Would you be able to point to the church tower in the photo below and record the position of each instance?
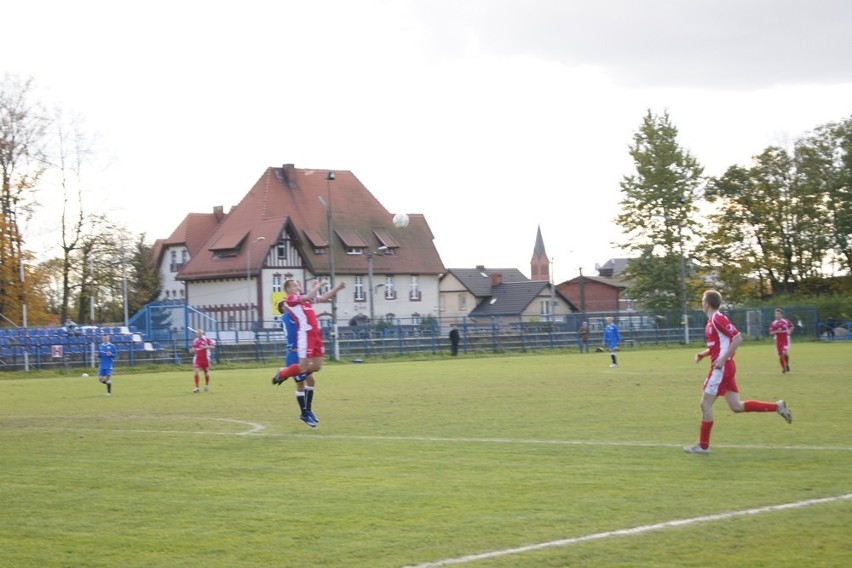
(540, 263)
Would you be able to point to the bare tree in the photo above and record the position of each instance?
(73, 151)
(23, 131)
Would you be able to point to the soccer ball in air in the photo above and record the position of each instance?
(400, 220)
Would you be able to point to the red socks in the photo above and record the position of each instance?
(291, 371)
(704, 438)
(759, 406)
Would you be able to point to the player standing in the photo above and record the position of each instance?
(611, 338)
(308, 333)
(107, 353)
(201, 347)
(782, 328)
(723, 339)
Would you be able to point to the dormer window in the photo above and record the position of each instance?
(228, 245)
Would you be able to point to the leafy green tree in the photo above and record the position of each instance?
(657, 207)
(776, 221)
(824, 161)
(755, 219)
(145, 282)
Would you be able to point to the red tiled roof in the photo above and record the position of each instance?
(228, 241)
(193, 232)
(288, 198)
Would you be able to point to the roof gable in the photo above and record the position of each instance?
(351, 238)
(479, 281)
(228, 241)
(290, 197)
(509, 299)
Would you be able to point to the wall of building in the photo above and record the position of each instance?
(599, 297)
(456, 300)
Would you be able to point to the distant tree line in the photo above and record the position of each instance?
(98, 262)
(780, 226)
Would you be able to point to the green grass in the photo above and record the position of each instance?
(423, 461)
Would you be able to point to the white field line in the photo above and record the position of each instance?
(255, 428)
(632, 531)
(563, 442)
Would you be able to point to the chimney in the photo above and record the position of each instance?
(496, 279)
(287, 174)
(219, 213)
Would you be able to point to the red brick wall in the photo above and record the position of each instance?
(599, 297)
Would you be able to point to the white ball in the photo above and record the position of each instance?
(85, 375)
(400, 220)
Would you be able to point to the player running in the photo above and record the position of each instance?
(723, 339)
(107, 353)
(782, 328)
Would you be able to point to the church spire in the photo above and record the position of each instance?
(540, 263)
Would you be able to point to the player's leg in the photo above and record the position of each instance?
(310, 385)
(207, 379)
(779, 406)
(703, 445)
(301, 399)
(713, 385)
(301, 366)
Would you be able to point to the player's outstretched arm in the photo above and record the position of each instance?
(312, 293)
(331, 293)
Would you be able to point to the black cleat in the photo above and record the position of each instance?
(276, 380)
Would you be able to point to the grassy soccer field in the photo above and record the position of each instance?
(528, 460)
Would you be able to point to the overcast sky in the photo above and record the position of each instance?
(491, 117)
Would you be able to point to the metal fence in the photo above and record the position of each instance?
(166, 335)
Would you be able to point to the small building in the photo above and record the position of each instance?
(601, 293)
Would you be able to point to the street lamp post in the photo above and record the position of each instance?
(552, 311)
(683, 298)
(335, 345)
(370, 284)
(124, 284)
(24, 314)
(248, 278)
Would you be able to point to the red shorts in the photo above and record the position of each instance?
(782, 346)
(720, 381)
(313, 346)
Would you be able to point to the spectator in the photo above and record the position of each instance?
(583, 337)
(454, 340)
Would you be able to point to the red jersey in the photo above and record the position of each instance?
(782, 328)
(719, 332)
(303, 312)
(201, 358)
(308, 332)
